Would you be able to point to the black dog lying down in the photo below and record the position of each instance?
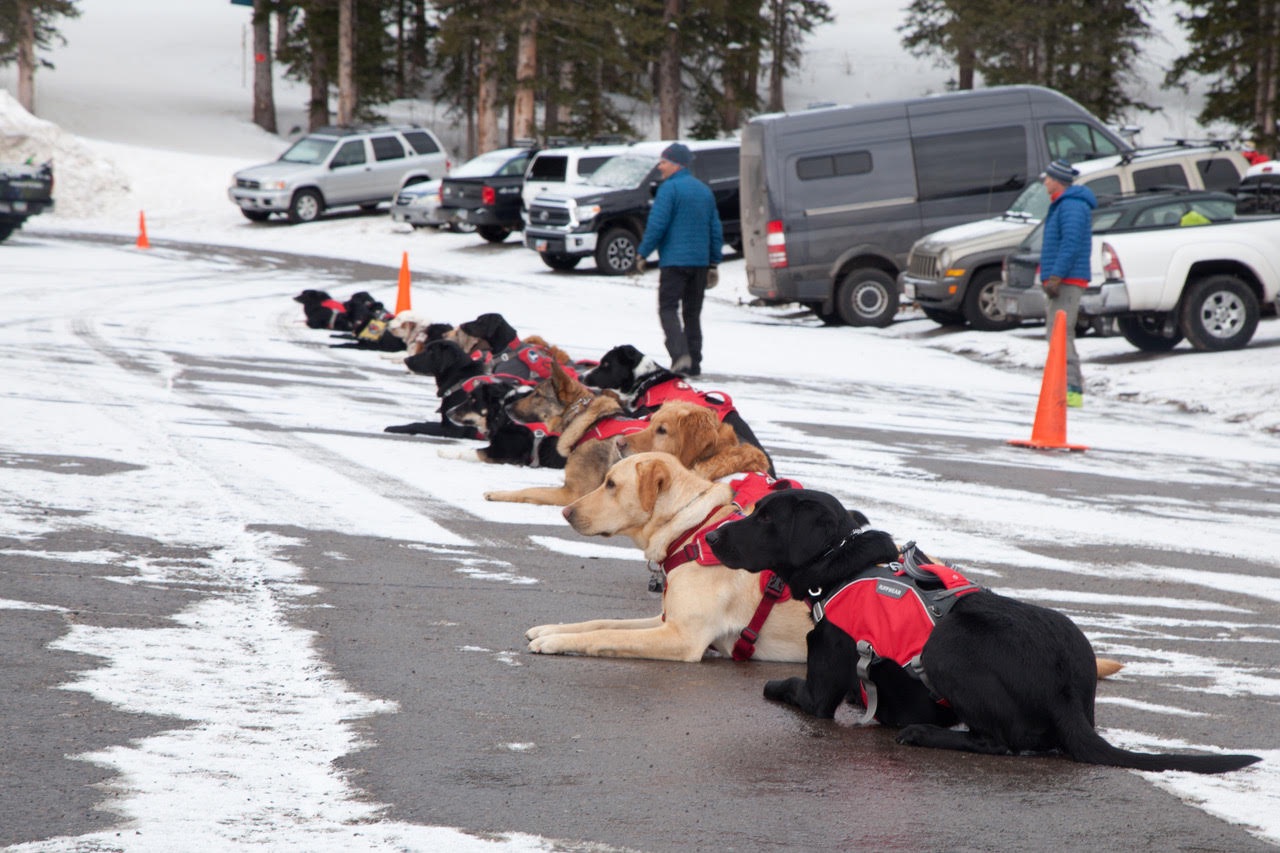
(645, 385)
(1020, 677)
(452, 368)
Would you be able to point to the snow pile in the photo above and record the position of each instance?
(83, 180)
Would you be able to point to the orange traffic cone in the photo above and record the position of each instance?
(1050, 429)
(143, 242)
(402, 297)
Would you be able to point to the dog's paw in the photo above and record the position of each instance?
(548, 644)
(457, 453)
(776, 690)
(913, 735)
(539, 631)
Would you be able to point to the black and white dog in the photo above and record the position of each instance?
(644, 385)
(1020, 677)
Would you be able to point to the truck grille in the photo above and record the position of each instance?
(246, 184)
(924, 266)
(548, 216)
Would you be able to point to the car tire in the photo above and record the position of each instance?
(494, 233)
(255, 215)
(6, 231)
(981, 308)
(616, 252)
(306, 206)
(867, 297)
(1219, 312)
(461, 227)
(943, 318)
(1147, 332)
(559, 262)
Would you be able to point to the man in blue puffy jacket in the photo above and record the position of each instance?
(684, 227)
(1064, 260)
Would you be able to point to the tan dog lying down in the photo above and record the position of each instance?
(655, 500)
(698, 438)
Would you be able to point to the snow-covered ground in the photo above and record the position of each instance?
(162, 133)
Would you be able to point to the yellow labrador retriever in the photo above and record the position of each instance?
(661, 505)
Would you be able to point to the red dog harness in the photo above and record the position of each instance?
(746, 491)
(612, 426)
(890, 613)
(678, 389)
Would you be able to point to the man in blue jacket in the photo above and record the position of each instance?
(1064, 260)
(684, 227)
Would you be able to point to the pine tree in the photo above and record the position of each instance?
(27, 26)
(1085, 49)
(1235, 45)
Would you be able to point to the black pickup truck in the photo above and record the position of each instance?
(25, 190)
(605, 218)
(485, 192)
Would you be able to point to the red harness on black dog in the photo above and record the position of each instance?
(890, 612)
(678, 389)
(746, 491)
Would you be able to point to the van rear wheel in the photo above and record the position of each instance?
(867, 297)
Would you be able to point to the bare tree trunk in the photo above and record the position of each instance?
(264, 102)
(26, 56)
(402, 15)
(669, 72)
(318, 77)
(522, 124)
(346, 62)
(965, 61)
(777, 68)
(486, 99)
(1267, 69)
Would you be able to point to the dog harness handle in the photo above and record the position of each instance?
(774, 591)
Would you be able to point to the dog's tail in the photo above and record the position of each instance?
(1107, 666)
(1082, 743)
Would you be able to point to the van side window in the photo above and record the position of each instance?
(1218, 173)
(1159, 176)
(1075, 141)
(350, 154)
(387, 148)
(975, 162)
(833, 165)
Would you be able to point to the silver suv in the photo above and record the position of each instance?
(337, 167)
(953, 274)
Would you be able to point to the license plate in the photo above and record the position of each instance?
(909, 291)
(540, 245)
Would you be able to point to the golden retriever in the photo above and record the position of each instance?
(656, 501)
(698, 438)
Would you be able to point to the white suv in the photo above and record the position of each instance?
(336, 167)
(553, 169)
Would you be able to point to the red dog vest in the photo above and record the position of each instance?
(678, 389)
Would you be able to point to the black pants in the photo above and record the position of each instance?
(680, 294)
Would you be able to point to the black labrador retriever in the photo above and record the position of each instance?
(452, 368)
(1020, 677)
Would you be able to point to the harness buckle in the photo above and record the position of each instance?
(816, 612)
(776, 587)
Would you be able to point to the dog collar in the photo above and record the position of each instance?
(815, 594)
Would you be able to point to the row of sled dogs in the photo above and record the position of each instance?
(759, 567)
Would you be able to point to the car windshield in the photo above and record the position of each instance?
(1032, 204)
(624, 171)
(486, 165)
(309, 149)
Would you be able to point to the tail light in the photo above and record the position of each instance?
(440, 193)
(488, 196)
(776, 243)
(1111, 269)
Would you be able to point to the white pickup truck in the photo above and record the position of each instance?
(1206, 283)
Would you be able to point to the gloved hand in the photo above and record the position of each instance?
(713, 277)
(641, 266)
(1051, 285)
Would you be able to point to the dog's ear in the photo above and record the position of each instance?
(629, 355)
(859, 520)
(652, 478)
(696, 437)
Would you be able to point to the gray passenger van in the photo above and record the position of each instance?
(833, 198)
